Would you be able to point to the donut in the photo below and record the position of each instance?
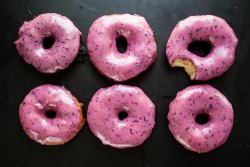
(50, 42)
(200, 118)
(51, 115)
(117, 65)
(121, 116)
(206, 28)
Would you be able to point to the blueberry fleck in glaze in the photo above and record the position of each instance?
(192, 102)
(130, 131)
(140, 52)
(38, 126)
(61, 54)
(208, 28)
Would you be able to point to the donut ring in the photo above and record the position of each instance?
(51, 115)
(208, 28)
(104, 118)
(62, 52)
(103, 52)
(199, 101)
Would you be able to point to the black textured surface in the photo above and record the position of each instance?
(160, 83)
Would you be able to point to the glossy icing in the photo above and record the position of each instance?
(141, 48)
(61, 54)
(211, 29)
(45, 130)
(103, 120)
(193, 101)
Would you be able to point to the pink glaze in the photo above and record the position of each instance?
(50, 131)
(61, 54)
(193, 101)
(103, 120)
(141, 48)
(211, 29)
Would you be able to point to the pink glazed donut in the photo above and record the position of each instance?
(121, 116)
(200, 118)
(51, 115)
(64, 44)
(207, 28)
(141, 46)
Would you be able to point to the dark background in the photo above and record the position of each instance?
(160, 83)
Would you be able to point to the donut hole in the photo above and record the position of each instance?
(122, 115)
(50, 114)
(200, 48)
(121, 44)
(48, 42)
(202, 119)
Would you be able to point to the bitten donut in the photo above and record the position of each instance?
(121, 116)
(206, 28)
(200, 118)
(51, 115)
(50, 42)
(102, 46)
